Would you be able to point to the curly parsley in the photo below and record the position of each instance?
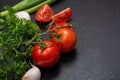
(14, 48)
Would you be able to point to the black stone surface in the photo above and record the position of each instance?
(97, 53)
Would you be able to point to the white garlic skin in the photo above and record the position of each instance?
(23, 14)
(32, 74)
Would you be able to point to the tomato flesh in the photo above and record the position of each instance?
(44, 14)
(47, 57)
(63, 16)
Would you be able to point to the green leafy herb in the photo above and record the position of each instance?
(15, 51)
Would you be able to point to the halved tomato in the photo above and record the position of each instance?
(44, 14)
(63, 16)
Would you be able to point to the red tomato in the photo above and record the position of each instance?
(63, 16)
(67, 36)
(44, 14)
(46, 57)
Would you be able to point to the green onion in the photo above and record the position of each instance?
(21, 5)
(27, 3)
(35, 8)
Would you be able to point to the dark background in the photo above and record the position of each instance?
(97, 53)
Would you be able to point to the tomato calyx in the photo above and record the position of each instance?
(43, 45)
(58, 36)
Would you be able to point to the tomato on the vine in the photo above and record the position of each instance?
(64, 37)
(44, 14)
(63, 16)
(46, 57)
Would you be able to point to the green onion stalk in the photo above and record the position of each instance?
(28, 3)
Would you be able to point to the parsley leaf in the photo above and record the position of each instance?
(14, 34)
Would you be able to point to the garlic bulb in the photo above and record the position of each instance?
(32, 74)
(23, 14)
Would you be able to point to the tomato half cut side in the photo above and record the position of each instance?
(44, 14)
(63, 16)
